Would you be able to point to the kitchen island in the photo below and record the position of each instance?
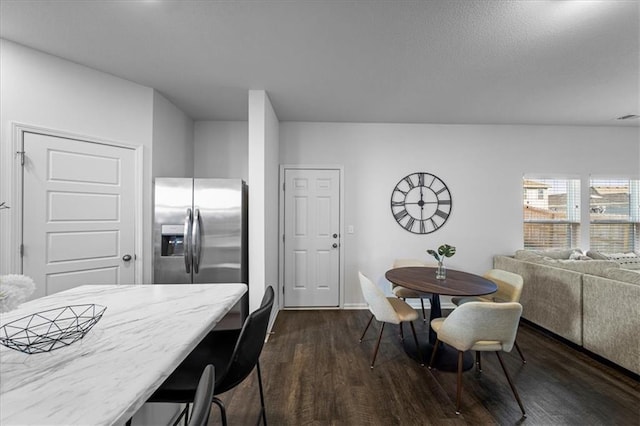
(104, 378)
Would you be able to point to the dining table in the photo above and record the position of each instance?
(457, 283)
(105, 377)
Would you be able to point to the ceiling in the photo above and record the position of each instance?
(564, 62)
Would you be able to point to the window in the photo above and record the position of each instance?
(551, 213)
(614, 211)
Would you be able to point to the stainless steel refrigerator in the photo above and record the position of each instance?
(200, 235)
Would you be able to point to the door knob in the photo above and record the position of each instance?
(335, 245)
(126, 257)
(335, 235)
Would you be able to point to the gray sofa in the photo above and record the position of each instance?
(592, 303)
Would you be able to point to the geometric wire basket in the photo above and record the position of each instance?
(51, 329)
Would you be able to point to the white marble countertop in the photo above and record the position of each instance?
(103, 379)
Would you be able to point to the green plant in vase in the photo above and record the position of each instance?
(445, 250)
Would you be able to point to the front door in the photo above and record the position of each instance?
(78, 213)
(311, 238)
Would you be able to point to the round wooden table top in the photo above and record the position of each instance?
(457, 283)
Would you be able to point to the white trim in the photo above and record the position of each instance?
(283, 168)
(416, 306)
(547, 175)
(612, 176)
(16, 185)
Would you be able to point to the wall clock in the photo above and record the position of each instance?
(421, 203)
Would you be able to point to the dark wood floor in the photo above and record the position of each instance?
(316, 373)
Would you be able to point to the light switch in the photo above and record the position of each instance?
(350, 229)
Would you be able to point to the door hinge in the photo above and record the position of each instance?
(21, 250)
(21, 154)
(283, 185)
(283, 238)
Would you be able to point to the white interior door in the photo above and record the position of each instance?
(312, 238)
(78, 213)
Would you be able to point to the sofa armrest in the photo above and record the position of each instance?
(551, 297)
(611, 320)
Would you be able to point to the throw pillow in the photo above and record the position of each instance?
(576, 255)
(626, 260)
(558, 253)
(596, 255)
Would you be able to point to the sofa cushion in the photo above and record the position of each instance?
(624, 275)
(527, 255)
(532, 255)
(593, 267)
(626, 260)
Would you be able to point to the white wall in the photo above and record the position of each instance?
(172, 140)
(481, 165)
(41, 90)
(263, 195)
(221, 149)
(272, 205)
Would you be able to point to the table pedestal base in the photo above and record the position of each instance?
(446, 357)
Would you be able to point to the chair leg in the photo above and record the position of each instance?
(415, 338)
(375, 352)
(400, 325)
(262, 408)
(424, 315)
(223, 411)
(459, 391)
(513, 388)
(478, 362)
(184, 413)
(524, 361)
(433, 353)
(366, 328)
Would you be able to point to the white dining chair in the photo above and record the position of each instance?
(386, 310)
(481, 327)
(509, 290)
(407, 293)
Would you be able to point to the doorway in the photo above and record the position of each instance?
(311, 237)
(79, 218)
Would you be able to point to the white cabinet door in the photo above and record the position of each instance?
(312, 238)
(78, 213)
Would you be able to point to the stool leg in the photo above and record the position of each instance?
(223, 411)
(264, 413)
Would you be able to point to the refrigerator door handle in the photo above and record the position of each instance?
(187, 242)
(196, 240)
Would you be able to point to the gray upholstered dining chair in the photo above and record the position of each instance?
(406, 293)
(234, 353)
(386, 310)
(509, 290)
(481, 327)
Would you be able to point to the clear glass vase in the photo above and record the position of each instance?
(441, 271)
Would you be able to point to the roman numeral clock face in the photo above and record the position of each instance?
(421, 203)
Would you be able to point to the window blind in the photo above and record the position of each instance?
(614, 215)
(551, 213)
